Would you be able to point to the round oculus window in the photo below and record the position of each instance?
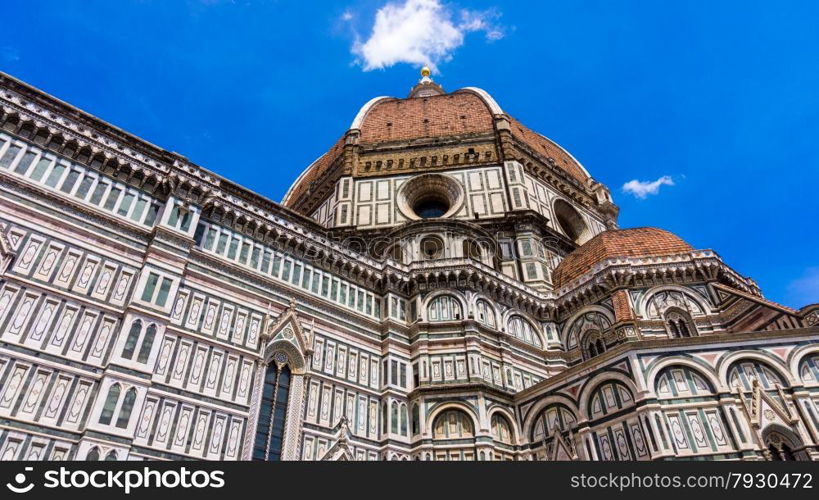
(430, 207)
(430, 196)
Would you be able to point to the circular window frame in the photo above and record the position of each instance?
(430, 186)
(432, 239)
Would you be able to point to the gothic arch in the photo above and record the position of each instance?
(763, 357)
(676, 380)
(465, 426)
(797, 356)
(455, 295)
(574, 318)
(510, 418)
(287, 346)
(513, 437)
(538, 407)
(509, 313)
(702, 369)
(93, 454)
(591, 343)
(537, 328)
(453, 405)
(779, 439)
(701, 302)
(473, 305)
(287, 336)
(294, 357)
(679, 323)
(595, 382)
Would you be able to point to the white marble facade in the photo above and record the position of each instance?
(148, 313)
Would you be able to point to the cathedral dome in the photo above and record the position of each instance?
(459, 113)
(635, 242)
(428, 118)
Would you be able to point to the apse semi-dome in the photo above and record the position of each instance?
(634, 242)
(430, 116)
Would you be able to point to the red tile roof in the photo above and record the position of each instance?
(636, 242)
(548, 149)
(435, 116)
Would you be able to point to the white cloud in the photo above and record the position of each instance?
(641, 189)
(347, 16)
(420, 32)
(805, 290)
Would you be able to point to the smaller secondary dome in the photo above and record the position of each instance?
(635, 242)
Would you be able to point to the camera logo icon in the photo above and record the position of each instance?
(20, 479)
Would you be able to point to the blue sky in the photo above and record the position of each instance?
(720, 97)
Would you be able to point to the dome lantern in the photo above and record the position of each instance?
(425, 86)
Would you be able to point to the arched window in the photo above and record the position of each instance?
(679, 324)
(147, 344)
(272, 413)
(663, 301)
(809, 368)
(593, 344)
(681, 381)
(742, 374)
(452, 424)
(783, 444)
(472, 250)
(432, 248)
(592, 320)
(501, 429)
(444, 308)
(397, 253)
(608, 398)
(416, 419)
(132, 339)
(111, 456)
(554, 418)
(485, 314)
(394, 417)
(403, 419)
(93, 454)
(110, 404)
(127, 408)
(523, 330)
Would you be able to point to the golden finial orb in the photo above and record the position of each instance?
(425, 72)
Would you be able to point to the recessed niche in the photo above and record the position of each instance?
(571, 222)
(432, 247)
